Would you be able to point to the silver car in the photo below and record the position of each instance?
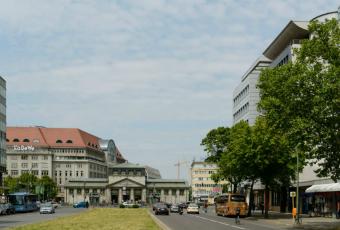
(47, 208)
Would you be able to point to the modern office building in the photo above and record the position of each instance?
(202, 186)
(246, 97)
(2, 128)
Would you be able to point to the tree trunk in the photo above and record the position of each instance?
(235, 188)
(266, 201)
(251, 198)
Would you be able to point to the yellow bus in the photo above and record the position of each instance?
(227, 204)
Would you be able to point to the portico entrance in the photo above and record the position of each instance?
(127, 190)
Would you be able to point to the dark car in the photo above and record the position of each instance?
(155, 205)
(182, 205)
(161, 209)
(10, 209)
(81, 204)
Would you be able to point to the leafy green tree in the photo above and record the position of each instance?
(272, 157)
(27, 182)
(215, 143)
(46, 188)
(301, 99)
(12, 184)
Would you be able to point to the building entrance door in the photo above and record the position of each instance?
(114, 196)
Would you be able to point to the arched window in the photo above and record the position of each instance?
(93, 145)
(26, 140)
(59, 141)
(7, 140)
(16, 140)
(69, 141)
(89, 144)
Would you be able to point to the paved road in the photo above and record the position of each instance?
(209, 221)
(32, 217)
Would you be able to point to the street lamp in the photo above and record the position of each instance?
(297, 217)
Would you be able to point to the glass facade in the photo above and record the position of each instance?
(2, 127)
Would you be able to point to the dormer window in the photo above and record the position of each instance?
(59, 142)
(89, 144)
(93, 145)
(16, 140)
(69, 141)
(26, 140)
(7, 140)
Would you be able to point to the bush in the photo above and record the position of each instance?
(135, 206)
(122, 206)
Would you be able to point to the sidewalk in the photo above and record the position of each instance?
(285, 221)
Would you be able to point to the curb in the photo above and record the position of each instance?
(158, 222)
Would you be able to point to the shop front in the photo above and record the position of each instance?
(324, 200)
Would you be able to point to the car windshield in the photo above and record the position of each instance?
(161, 206)
(46, 205)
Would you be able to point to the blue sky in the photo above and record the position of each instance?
(155, 76)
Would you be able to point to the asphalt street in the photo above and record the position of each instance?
(209, 221)
(33, 217)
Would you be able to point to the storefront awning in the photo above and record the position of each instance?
(334, 187)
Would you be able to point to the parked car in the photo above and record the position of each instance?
(10, 209)
(155, 205)
(127, 204)
(55, 204)
(193, 208)
(174, 208)
(3, 209)
(81, 204)
(161, 209)
(47, 208)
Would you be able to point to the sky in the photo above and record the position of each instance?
(154, 76)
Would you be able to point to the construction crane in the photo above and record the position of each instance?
(178, 164)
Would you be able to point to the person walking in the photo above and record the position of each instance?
(205, 206)
(237, 216)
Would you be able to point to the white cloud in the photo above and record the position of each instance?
(153, 75)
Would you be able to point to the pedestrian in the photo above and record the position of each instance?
(262, 207)
(237, 216)
(87, 204)
(205, 206)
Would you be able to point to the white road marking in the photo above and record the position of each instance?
(233, 226)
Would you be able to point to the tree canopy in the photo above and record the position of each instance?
(302, 98)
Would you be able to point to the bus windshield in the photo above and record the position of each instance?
(16, 199)
(237, 198)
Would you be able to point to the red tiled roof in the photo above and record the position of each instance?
(52, 137)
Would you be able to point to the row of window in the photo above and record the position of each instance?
(202, 179)
(204, 172)
(167, 192)
(127, 173)
(69, 165)
(241, 95)
(77, 158)
(26, 157)
(97, 175)
(68, 173)
(207, 185)
(244, 109)
(25, 165)
(68, 150)
(99, 168)
(87, 191)
(34, 172)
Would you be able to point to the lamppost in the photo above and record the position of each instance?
(297, 217)
(84, 192)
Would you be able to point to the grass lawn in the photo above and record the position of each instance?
(99, 218)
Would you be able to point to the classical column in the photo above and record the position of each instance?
(162, 198)
(144, 194)
(132, 195)
(120, 196)
(107, 195)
